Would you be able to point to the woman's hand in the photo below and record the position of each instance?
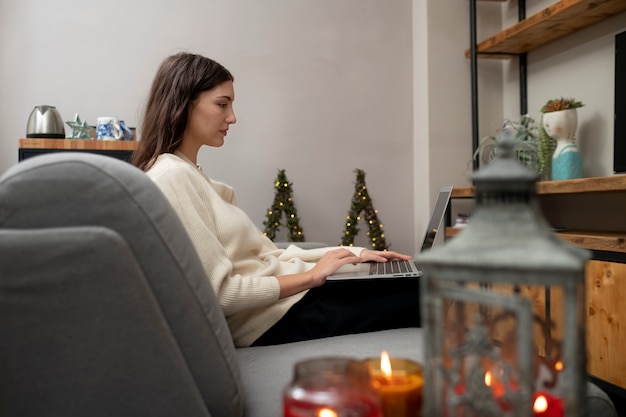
(382, 256)
(331, 262)
(328, 264)
(335, 259)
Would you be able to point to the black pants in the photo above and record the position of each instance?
(348, 307)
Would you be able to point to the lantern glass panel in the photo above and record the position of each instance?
(481, 371)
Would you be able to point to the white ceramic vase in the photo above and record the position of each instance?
(566, 160)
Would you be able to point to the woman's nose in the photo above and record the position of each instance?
(232, 119)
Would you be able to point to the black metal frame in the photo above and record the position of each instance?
(25, 153)
(523, 86)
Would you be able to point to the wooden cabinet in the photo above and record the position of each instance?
(592, 212)
(29, 147)
(606, 295)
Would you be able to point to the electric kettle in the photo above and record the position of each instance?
(45, 122)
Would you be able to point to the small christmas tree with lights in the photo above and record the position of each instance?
(362, 203)
(283, 203)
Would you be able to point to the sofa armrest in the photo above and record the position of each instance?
(82, 335)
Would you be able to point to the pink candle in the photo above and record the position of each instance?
(356, 405)
(330, 387)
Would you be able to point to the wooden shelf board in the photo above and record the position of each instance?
(453, 231)
(603, 241)
(613, 183)
(78, 144)
(462, 192)
(555, 22)
(583, 185)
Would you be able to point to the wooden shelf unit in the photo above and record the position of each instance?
(555, 22)
(29, 147)
(590, 209)
(593, 240)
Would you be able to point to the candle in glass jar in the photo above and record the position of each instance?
(399, 383)
(330, 387)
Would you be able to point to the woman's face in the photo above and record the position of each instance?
(210, 115)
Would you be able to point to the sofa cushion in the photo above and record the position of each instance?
(266, 370)
(71, 189)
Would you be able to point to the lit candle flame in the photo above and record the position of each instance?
(326, 412)
(385, 364)
(541, 404)
(558, 366)
(488, 378)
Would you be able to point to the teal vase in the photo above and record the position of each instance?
(567, 163)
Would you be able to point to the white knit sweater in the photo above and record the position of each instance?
(240, 261)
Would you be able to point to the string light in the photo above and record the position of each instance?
(283, 203)
(362, 203)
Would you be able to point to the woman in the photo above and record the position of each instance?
(268, 295)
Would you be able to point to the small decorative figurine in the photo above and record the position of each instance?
(80, 128)
(560, 121)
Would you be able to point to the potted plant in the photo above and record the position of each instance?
(561, 104)
(558, 152)
(526, 133)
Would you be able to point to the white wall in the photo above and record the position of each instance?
(318, 84)
(322, 88)
(421, 126)
(450, 88)
(442, 96)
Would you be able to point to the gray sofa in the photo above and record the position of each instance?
(105, 309)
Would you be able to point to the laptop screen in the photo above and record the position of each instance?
(436, 219)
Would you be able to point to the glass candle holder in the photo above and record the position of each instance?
(330, 387)
(399, 383)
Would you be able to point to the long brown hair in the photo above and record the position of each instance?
(177, 83)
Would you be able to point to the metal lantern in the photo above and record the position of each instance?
(503, 307)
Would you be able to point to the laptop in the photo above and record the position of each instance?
(399, 269)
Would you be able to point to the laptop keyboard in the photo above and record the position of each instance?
(390, 267)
